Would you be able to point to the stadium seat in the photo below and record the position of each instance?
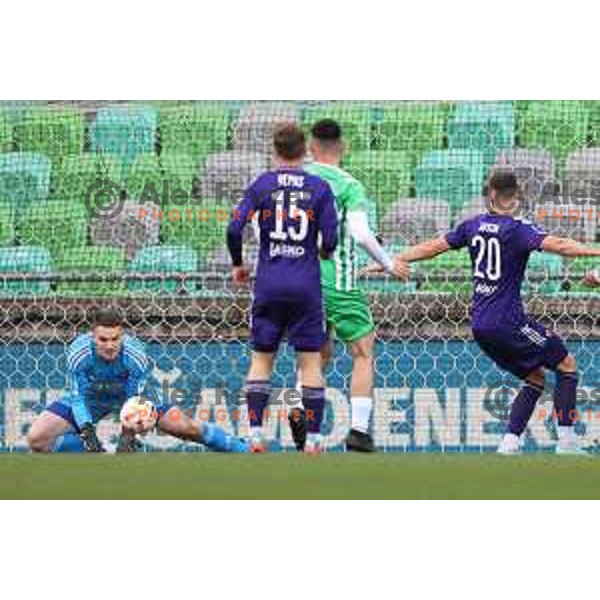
(565, 216)
(414, 220)
(124, 132)
(180, 170)
(227, 174)
(167, 260)
(472, 208)
(485, 126)
(593, 110)
(451, 175)
(101, 261)
(7, 225)
(439, 273)
(25, 260)
(414, 127)
(199, 226)
(53, 132)
(253, 130)
(386, 174)
(197, 130)
(145, 178)
(136, 225)
(559, 126)
(6, 132)
(534, 169)
(355, 118)
(76, 174)
(24, 179)
(55, 225)
(544, 272)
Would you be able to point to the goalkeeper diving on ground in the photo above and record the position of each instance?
(107, 367)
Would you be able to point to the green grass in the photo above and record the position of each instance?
(290, 476)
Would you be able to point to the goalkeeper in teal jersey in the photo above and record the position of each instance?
(346, 310)
(106, 368)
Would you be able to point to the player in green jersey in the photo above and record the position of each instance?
(346, 309)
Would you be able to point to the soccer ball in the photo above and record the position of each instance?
(139, 414)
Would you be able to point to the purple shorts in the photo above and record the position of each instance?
(522, 349)
(303, 321)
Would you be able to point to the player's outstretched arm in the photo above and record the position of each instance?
(567, 247)
(425, 251)
(358, 224)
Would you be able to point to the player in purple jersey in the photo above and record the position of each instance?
(292, 209)
(499, 246)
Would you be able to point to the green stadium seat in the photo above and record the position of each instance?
(437, 272)
(55, 225)
(26, 260)
(559, 126)
(356, 120)
(414, 127)
(6, 132)
(93, 261)
(167, 260)
(472, 208)
(53, 132)
(24, 179)
(199, 226)
(593, 109)
(180, 170)
(543, 274)
(197, 130)
(7, 225)
(485, 126)
(76, 174)
(124, 132)
(451, 175)
(386, 174)
(145, 179)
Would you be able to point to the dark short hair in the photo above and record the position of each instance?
(289, 141)
(108, 317)
(504, 183)
(327, 131)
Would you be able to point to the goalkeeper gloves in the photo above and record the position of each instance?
(90, 440)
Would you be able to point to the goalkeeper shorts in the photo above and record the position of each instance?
(348, 314)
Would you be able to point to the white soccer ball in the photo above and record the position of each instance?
(139, 414)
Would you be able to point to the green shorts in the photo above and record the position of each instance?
(347, 314)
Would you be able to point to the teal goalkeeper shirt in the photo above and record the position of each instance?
(99, 387)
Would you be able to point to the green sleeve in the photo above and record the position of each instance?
(355, 198)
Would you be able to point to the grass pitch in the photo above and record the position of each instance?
(293, 476)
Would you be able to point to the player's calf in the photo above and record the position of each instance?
(565, 403)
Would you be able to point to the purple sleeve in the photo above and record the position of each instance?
(239, 217)
(459, 237)
(530, 237)
(327, 221)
